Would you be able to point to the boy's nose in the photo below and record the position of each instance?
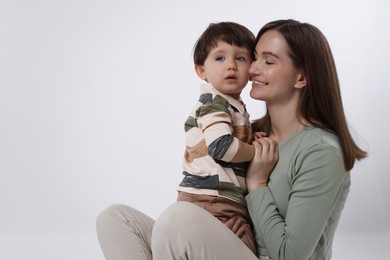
(232, 65)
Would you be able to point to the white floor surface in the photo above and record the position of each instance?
(86, 247)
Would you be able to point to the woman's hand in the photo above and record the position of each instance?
(259, 135)
(266, 156)
(235, 225)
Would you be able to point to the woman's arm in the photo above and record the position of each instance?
(266, 156)
(316, 188)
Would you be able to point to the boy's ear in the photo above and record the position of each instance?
(301, 80)
(200, 71)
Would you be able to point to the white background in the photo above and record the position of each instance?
(94, 95)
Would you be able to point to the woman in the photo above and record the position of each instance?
(297, 215)
(295, 210)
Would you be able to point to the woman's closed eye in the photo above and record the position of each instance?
(268, 60)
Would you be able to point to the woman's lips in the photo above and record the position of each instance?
(259, 83)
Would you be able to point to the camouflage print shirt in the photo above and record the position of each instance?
(218, 146)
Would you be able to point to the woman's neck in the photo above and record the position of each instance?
(285, 123)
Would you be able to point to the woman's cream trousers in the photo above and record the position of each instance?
(183, 231)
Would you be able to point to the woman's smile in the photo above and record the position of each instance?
(256, 83)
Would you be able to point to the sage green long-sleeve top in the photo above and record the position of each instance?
(296, 216)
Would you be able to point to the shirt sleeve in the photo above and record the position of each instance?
(214, 119)
(317, 182)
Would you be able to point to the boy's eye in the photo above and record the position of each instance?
(240, 58)
(220, 58)
(268, 62)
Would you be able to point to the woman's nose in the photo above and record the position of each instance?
(252, 68)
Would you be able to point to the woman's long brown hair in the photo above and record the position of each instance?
(320, 102)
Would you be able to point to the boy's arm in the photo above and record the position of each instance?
(215, 121)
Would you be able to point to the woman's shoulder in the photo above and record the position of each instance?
(315, 147)
(321, 136)
(312, 136)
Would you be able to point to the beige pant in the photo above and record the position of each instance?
(124, 233)
(223, 209)
(183, 231)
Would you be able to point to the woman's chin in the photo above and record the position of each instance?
(257, 94)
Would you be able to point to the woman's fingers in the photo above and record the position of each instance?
(258, 135)
(241, 232)
(231, 223)
(258, 151)
(269, 148)
(266, 156)
(235, 225)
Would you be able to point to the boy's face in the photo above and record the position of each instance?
(226, 68)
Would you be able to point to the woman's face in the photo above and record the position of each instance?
(274, 78)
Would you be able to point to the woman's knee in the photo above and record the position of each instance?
(119, 215)
(109, 214)
(182, 218)
(177, 214)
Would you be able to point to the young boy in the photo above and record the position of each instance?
(218, 132)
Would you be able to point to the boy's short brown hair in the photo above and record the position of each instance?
(229, 32)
